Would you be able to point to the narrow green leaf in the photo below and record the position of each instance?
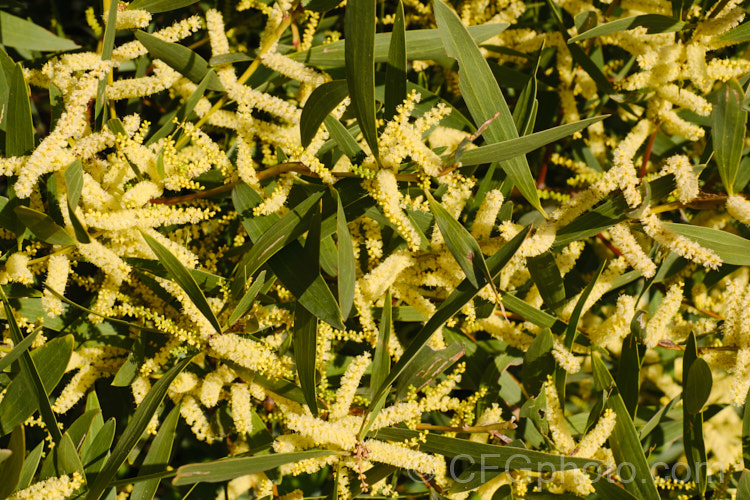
(346, 275)
(30, 466)
(654, 23)
(319, 105)
(11, 468)
(381, 364)
(624, 442)
(25, 35)
(450, 306)
(157, 457)
(231, 58)
(698, 388)
(108, 43)
(746, 433)
(491, 456)
(304, 341)
(183, 278)
(17, 350)
(728, 134)
(301, 276)
(346, 142)
(731, 248)
(512, 148)
(28, 392)
(181, 59)
(268, 242)
(420, 45)
(483, 96)
(538, 362)
(461, 244)
(524, 114)
(43, 227)
(74, 182)
(359, 55)
(19, 138)
(95, 450)
(247, 299)
(66, 457)
(223, 470)
(134, 430)
(56, 104)
(628, 373)
(157, 6)
(739, 34)
(183, 113)
(395, 71)
(743, 486)
(572, 330)
(130, 369)
(427, 365)
(692, 419)
(547, 278)
(606, 488)
(654, 421)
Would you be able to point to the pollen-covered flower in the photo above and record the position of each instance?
(58, 268)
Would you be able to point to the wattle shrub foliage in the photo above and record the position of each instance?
(324, 249)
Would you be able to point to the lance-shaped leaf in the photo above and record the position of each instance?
(420, 45)
(319, 105)
(157, 6)
(395, 71)
(267, 243)
(157, 457)
(25, 35)
(19, 138)
(427, 365)
(17, 350)
(739, 34)
(247, 299)
(728, 132)
(183, 113)
(223, 470)
(180, 58)
(572, 329)
(450, 306)
(524, 114)
(43, 227)
(624, 442)
(381, 363)
(108, 43)
(346, 142)
(346, 275)
(300, 275)
(11, 468)
(654, 23)
(182, 277)
(28, 392)
(461, 244)
(135, 429)
(74, 185)
(692, 419)
(483, 96)
(547, 278)
(359, 57)
(305, 334)
(512, 148)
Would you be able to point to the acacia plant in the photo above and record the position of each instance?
(324, 249)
